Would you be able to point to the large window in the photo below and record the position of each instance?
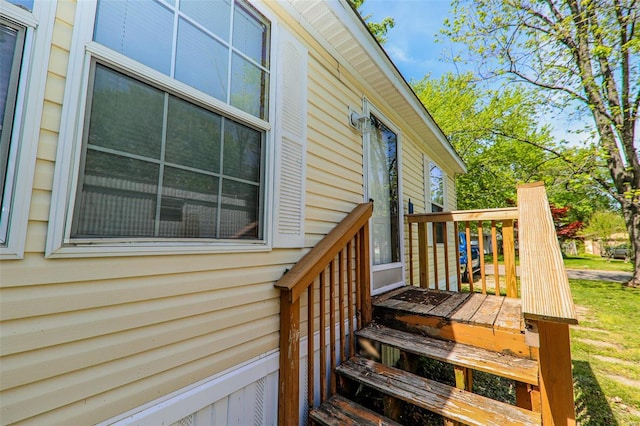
(157, 163)
(11, 46)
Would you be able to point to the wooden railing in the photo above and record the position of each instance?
(547, 305)
(432, 253)
(342, 257)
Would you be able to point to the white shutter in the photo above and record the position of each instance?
(291, 142)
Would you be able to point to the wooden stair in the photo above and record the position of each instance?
(433, 326)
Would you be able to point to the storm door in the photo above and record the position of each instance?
(383, 187)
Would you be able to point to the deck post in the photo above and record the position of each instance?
(288, 394)
(556, 381)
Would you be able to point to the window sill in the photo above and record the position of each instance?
(100, 249)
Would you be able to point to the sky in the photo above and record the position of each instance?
(412, 46)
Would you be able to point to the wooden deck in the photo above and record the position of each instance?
(477, 309)
(490, 322)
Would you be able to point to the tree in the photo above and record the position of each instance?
(602, 225)
(582, 54)
(378, 29)
(497, 135)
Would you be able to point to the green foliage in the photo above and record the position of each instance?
(498, 136)
(378, 29)
(568, 54)
(603, 224)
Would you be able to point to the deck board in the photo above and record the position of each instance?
(510, 316)
(469, 308)
(487, 312)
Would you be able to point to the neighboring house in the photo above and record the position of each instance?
(165, 163)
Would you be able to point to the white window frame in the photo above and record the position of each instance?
(427, 162)
(25, 131)
(83, 51)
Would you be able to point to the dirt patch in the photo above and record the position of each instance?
(589, 329)
(599, 344)
(624, 380)
(584, 313)
(614, 360)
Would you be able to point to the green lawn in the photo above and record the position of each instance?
(597, 262)
(605, 348)
(582, 262)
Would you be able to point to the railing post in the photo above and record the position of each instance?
(556, 381)
(365, 276)
(423, 262)
(509, 250)
(288, 394)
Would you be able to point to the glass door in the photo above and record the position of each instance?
(383, 188)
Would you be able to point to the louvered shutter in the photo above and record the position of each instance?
(291, 143)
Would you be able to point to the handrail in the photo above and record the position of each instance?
(344, 251)
(465, 215)
(301, 275)
(545, 290)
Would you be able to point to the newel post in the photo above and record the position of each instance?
(556, 381)
(288, 393)
(365, 276)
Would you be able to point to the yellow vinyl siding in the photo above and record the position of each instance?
(87, 338)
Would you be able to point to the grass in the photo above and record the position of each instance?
(584, 261)
(597, 263)
(605, 348)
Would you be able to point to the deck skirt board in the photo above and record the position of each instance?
(515, 368)
(439, 398)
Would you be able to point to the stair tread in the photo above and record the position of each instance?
(503, 365)
(340, 411)
(452, 403)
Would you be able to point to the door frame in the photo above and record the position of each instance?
(368, 109)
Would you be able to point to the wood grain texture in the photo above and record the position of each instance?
(445, 400)
(545, 288)
(464, 215)
(503, 365)
(339, 411)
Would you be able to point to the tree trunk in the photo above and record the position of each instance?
(631, 212)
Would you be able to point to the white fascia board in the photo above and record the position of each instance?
(343, 11)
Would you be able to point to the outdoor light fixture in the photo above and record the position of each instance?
(360, 122)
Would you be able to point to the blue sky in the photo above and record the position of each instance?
(412, 46)
(411, 43)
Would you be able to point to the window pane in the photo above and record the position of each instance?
(126, 114)
(25, 4)
(11, 42)
(242, 151)
(248, 87)
(8, 40)
(383, 189)
(437, 185)
(239, 211)
(139, 29)
(189, 204)
(201, 61)
(251, 34)
(118, 197)
(193, 136)
(215, 16)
